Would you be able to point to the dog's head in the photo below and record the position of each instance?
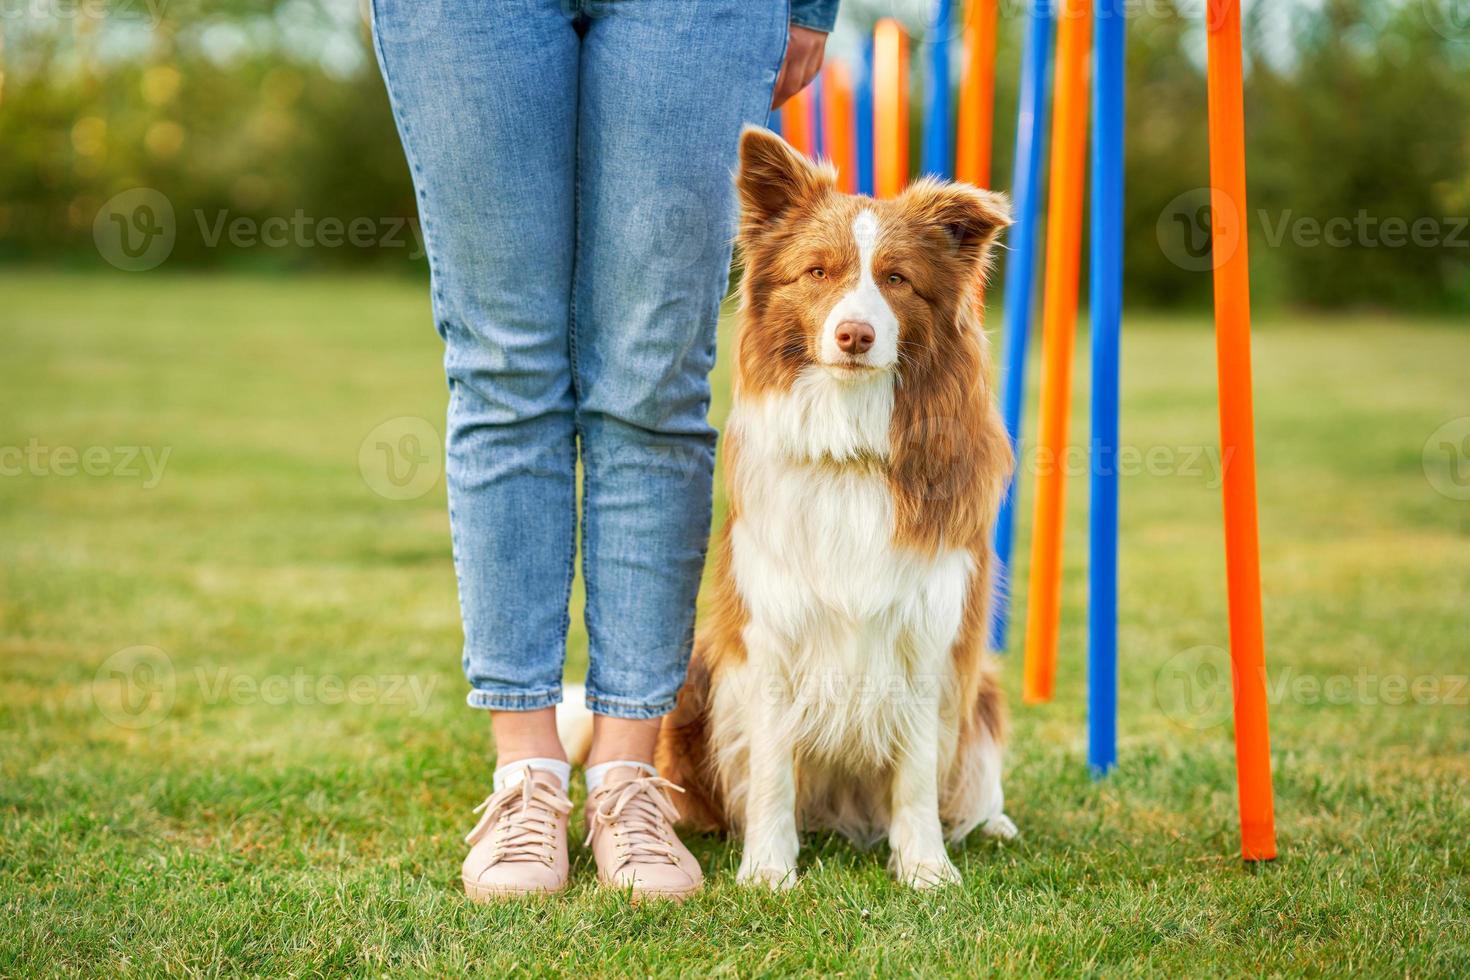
(850, 284)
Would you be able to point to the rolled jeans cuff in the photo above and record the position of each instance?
(630, 708)
(515, 700)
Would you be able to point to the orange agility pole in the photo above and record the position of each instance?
(1058, 337)
(797, 124)
(837, 124)
(890, 108)
(977, 95)
(1237, 431)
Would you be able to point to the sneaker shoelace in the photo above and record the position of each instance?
(524, 819)
(640, 816)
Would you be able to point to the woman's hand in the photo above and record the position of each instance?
(804, 52)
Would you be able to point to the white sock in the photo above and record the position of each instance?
(596, 774)
(513, 773)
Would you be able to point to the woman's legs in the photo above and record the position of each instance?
(578, 295)
(485, 100)
(666, 86)
(572, 164)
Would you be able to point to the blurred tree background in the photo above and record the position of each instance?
(251, 110)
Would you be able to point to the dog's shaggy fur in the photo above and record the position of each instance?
(841, 680)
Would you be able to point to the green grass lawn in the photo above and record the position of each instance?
(280, 785)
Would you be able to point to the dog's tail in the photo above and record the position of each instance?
(574, 724)
(684, 749)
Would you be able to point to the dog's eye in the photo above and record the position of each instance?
(819, 273)
(895, 280)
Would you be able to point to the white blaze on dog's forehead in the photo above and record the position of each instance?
(865, 233)
(864, 302)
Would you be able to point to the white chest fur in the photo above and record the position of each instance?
(854, 631)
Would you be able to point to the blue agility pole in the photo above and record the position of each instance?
(862, 103)
(1020, 277)
(1107, 314)
(937, 158)
(819, 135)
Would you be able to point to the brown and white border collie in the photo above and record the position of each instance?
(841, 681)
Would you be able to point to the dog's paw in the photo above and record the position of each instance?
(929, 873)
(773, 876)
(999, 826)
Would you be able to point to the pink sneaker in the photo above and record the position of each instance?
(519, 847)
(630, 827)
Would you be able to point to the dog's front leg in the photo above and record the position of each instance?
(771, 841)
(915, 836)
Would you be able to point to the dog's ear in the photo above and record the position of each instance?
(773, 178)
(969, 216)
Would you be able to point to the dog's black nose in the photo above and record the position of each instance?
(854, 336)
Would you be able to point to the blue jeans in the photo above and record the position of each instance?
(572, 161)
